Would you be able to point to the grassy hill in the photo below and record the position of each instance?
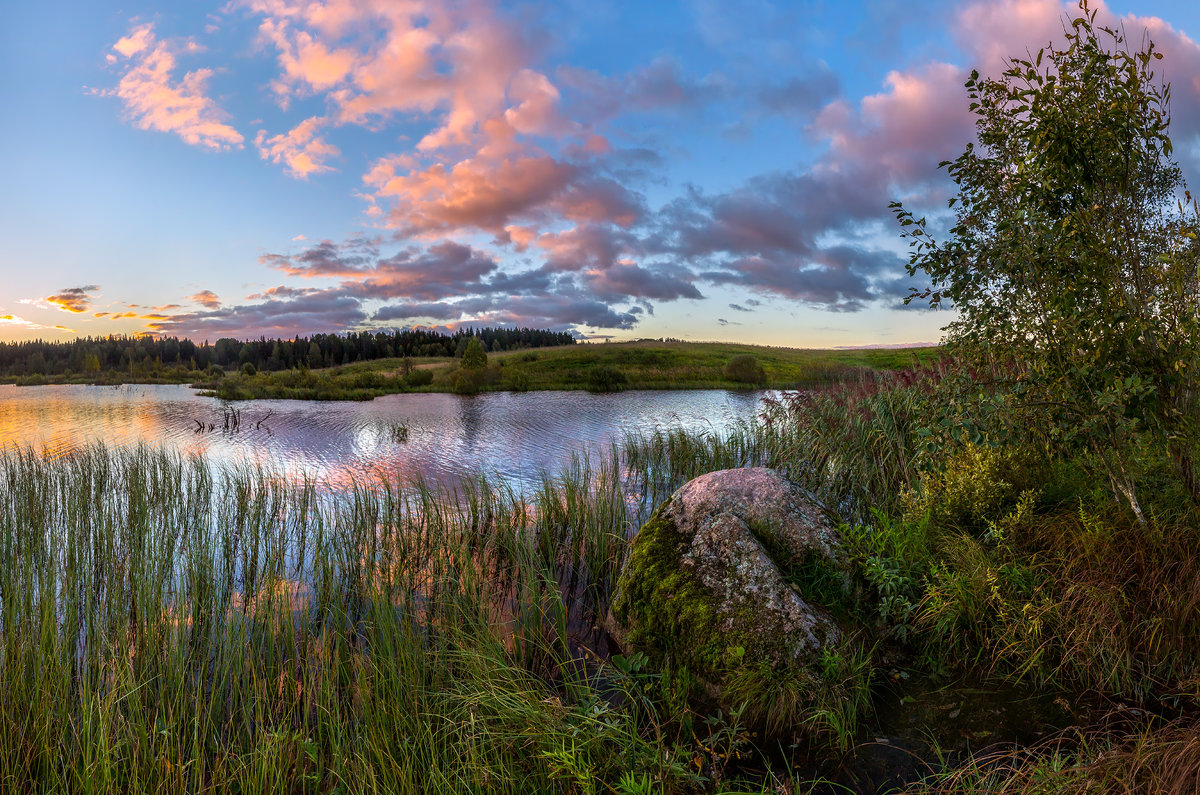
(598, 367)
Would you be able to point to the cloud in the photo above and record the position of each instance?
(73, 299)
(900, 134)
(308, 314)
(378, 59)
(475, 193)
(206, 298)
(627, 279)
(801, 96)
(659, 86)
(282, 291)
(155, 99)
(325, 259)
(301, 150)
(444, 269)
(991, 32)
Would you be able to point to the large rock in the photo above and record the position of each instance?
(731, 579)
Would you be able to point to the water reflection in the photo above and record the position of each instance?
(341, 443)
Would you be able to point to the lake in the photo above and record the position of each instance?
(513, 435)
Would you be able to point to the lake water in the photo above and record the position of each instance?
(514, 435)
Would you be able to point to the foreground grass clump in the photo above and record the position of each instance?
(172, 627)
(985, 550)
(1150, 757)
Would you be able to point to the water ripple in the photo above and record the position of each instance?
(450, 436)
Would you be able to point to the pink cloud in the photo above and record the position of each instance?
(444, 269)
(156, 100)
(206, 298)
(902, 132)
(378, 58)
(993, 31)
(301, 149)
(583, 247)
(473, 193)
(485, 163)
(307, 62)
(536, 111)
(138, 39)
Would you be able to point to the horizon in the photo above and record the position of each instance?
(689, 170)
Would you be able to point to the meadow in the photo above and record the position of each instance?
(603, 367)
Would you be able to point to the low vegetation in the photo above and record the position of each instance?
(606, 367)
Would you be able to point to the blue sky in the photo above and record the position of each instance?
(694, 169)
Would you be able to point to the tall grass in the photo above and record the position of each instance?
(165, 625)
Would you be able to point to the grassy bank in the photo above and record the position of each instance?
(597, 367)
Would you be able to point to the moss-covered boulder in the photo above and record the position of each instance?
(737, 578)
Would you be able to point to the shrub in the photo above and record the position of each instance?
(606, 379)
(474, 357)
(367, 380)
(978, 485)
(418, 378)
(249, 369)
(518, 381)
(745, 369)
(468, 382)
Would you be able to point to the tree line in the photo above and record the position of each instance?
(140, 355)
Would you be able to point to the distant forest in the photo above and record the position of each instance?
(149, 355)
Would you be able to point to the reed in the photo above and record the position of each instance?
(171, 626)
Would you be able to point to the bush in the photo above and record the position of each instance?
(518, 381)
(249, 369)
(474, 357)
(606, 379)
(418, 378)
(978, 485)
(745, 369)
(468, 382)
(367, 380)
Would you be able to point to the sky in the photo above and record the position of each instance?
(695, 169)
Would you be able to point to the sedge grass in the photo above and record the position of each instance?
(169, 626)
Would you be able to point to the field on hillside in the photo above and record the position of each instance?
(645, 364)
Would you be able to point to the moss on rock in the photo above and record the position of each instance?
(731, 576)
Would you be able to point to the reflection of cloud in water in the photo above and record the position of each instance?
(343, 444)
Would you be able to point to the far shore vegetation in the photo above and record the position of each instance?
(597, 367)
